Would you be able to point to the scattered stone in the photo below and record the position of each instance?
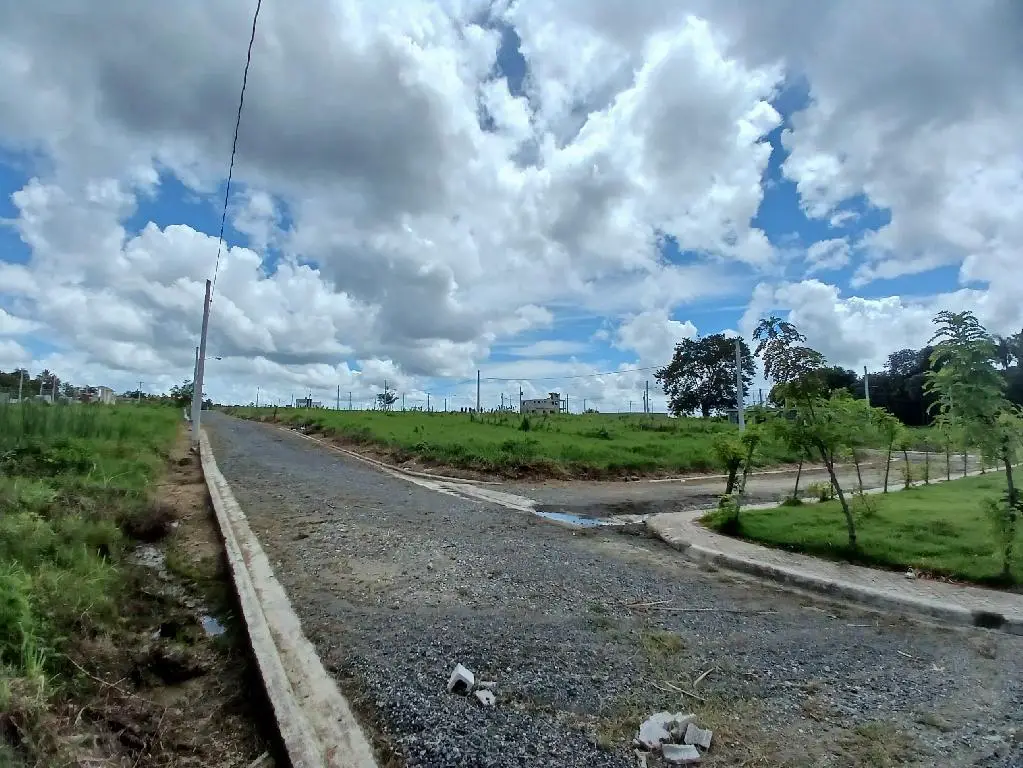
(652, 734)
(698, 736)
(910, 574)
(681, 754)
(640, 758)
(486, 698)
(461, 680)
(663, 726)
(488, 684)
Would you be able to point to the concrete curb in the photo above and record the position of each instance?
(316, 723)
(856, 593)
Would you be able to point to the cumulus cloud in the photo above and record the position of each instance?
(402, 207)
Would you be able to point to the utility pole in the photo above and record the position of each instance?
(21, 382)
(338, 397)
(739, 394)
(502, 401)
(866, 385)
(445, 405)
(761, 395)
(199, 368)
(257, 395)
(477, 390)
(349, 400)
(584, 405)
(520, 399)
(646, 396)
(427, 402)
(403, 400)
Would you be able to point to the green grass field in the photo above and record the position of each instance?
(941, 529)
(73, 480)
(585, 446)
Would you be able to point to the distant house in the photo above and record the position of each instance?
(549, 404)
(97, 395)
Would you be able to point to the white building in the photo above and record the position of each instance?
(549, 404)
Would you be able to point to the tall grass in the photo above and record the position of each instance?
(587, 445)
(69, 477)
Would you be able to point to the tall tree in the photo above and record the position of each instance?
(701, 375)
(971, 403)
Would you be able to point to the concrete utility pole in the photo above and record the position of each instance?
(349, 400)
(138, 399)
(403, 400)
(866, 385)
(520, 399)
(502, 401)
(477, 390)
(427, 402)
(740, 396)
(199, 368)
(257, 395)
(338, 407)
(21, 382)
(445, 405)
(646, 397)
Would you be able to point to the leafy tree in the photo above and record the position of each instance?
(181, 394)
(837, 377)
(891, 430)
(819, 420)
(701, 374)
(728, 450)
(386, 399)
(971, 401)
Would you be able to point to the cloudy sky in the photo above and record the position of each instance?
(541, 189)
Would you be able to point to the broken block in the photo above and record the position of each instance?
(461, 680)
(680, 754)
(486, 698)
(698, 736)
(652, 733)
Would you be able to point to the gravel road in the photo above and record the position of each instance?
(395, 584)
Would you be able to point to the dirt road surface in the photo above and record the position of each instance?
(394, 584)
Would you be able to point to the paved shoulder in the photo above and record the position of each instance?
(585, 633)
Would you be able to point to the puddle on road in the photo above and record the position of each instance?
(211, 625)
(570, 519)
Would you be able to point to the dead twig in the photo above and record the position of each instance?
(112, 686)
(703, 676)
(259, 761)
(676, 689)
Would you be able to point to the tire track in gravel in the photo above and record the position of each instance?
(394, 584)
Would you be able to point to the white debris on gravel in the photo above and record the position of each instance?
(640, 758)
(488, 684)
(486, 698)
(461, 680)
(698, 736)
(675, 735)
(681, 754)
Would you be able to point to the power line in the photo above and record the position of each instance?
(575, 376)
(234, 144)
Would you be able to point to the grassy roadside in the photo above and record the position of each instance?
(940, 529)
(95, 647)
(590, 446)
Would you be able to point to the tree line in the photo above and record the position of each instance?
(701, 378)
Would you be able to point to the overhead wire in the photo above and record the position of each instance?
(234, 146)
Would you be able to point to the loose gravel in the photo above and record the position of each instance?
(395, 584)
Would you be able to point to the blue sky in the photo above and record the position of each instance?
(400, 138)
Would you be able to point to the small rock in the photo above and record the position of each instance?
(681, 754)
(486, 698)
(654, 730)
(910, 574)
(461, 680)
(698, 736)
(488, 684)
(640, 759)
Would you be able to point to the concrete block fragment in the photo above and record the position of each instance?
(680, 754)
(486, 698)
(488, 684)
(652, 733)
(696, 735)
(461, 680)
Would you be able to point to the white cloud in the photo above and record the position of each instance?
(408, 237)
(828, 254)
(652, 336)
(12, 325)
(550, 348)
